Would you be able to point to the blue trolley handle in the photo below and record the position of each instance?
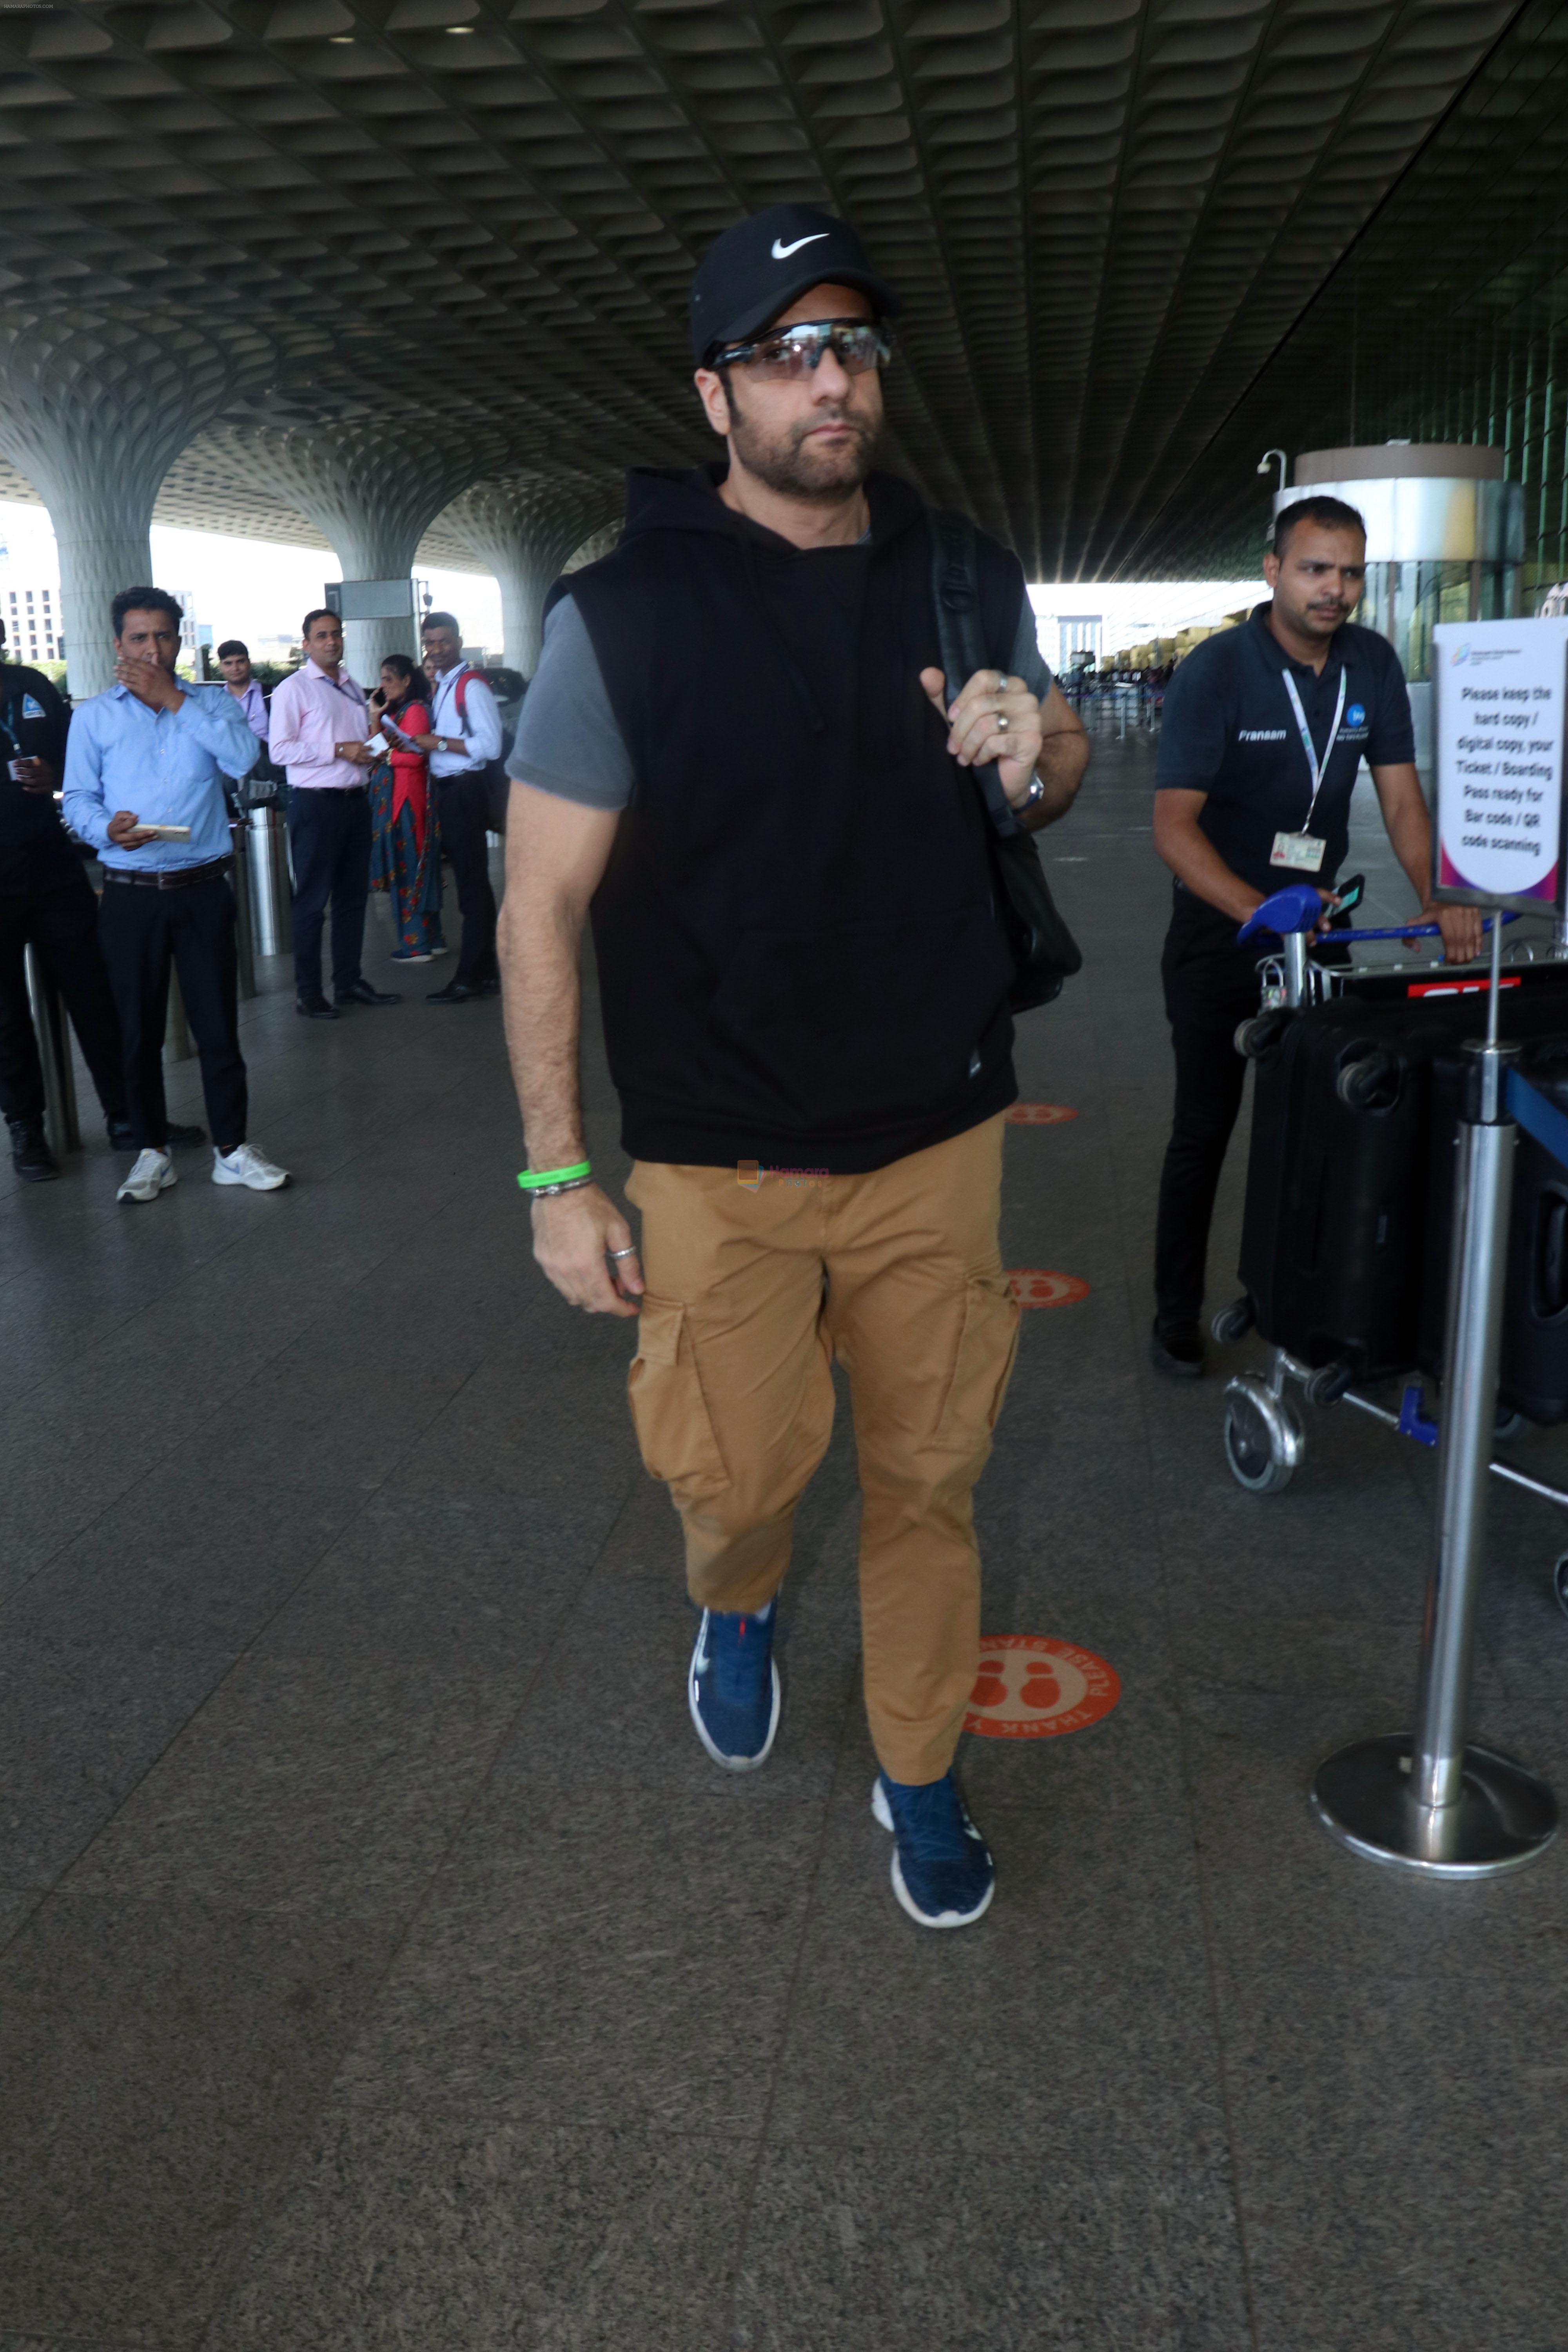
(1401, 931)
(1299, 907)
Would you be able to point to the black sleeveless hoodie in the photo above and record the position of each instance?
(799, 959)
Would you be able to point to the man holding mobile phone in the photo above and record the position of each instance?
(154, 751)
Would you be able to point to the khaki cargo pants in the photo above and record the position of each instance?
(753, 1288)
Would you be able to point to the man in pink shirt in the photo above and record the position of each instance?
(317, 734)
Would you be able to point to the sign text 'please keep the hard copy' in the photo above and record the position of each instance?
(1501, 699)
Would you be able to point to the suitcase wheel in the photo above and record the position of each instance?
(1372, 1083)
(1233, 1322)
(1263, 1440)
(1329, 1384)
(1559, 1583)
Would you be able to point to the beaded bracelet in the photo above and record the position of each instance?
(545, 1182)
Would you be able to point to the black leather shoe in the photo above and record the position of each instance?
(457, 991)
(1177, 1350)
(315, 1008)
(362, 992)
(31, 1157)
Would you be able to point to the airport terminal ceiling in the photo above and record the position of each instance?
(1139, 240)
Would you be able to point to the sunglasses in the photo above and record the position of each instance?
(858, 344)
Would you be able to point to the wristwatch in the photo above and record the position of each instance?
(1035, 795)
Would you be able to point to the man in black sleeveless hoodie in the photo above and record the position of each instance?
(740, 756)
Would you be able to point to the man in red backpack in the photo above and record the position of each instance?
(464, 750)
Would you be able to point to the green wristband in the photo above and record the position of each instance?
(530, 1180)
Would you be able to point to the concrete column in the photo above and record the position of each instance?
(372, 486)
(524, 526)
(93, 414)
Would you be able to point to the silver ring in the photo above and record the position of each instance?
(1001, 722)
(625, 1252)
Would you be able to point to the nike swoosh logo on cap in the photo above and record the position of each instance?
(782, 252)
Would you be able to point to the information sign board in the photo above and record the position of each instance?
(1501, 703)
(371, 600)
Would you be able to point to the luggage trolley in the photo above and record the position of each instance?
(1264, 1434)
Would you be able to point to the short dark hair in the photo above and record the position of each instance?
(322, 613)
(144, 600)
(1329, 514)
(233, 646)
(441, 621)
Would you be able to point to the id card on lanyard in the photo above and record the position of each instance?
(1302, 852)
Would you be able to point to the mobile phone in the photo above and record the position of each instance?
(166, 832)
(14, 767)
(1350, 894)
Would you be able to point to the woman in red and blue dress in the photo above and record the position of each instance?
(406, 845)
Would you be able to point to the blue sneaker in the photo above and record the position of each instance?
(733, 1687)
(943, 1872)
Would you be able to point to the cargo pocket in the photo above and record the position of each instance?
(986, 1347)
(670, 1409)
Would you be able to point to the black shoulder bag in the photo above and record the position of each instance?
(1044, 951)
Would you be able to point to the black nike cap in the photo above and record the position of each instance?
(764, 264)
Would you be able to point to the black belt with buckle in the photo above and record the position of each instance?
(170, 877)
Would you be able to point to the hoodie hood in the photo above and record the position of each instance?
(689, 502)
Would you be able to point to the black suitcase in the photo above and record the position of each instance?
(1533, 1363)
(1345, 1231)
(1331, 1232)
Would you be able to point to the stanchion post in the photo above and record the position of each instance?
(244, 924)
(1433, 1802)
(269, 878)
(61, 1131)
(177, 1047)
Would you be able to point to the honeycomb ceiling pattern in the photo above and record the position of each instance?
(1104, 215)
(1448, 320)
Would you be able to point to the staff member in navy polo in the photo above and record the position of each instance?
(1265, 727)
(146, 761)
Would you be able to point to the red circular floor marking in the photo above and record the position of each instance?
(1036, 1286)
(1040, 1114)
(1031, 1686)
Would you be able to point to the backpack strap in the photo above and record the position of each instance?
(955, 593)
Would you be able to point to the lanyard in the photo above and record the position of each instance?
(1317, 768)
(449, 684)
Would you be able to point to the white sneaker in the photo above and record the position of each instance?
(154, 1173)
(245, 1165)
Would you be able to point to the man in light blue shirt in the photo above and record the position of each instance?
(143, 783)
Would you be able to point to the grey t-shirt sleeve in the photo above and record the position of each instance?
(567, 740)
(1027, 662)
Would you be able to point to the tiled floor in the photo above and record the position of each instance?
(387, 1968)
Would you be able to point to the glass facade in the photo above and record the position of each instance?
(1403, 601)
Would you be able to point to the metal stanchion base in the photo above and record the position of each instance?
(1505, 1818)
